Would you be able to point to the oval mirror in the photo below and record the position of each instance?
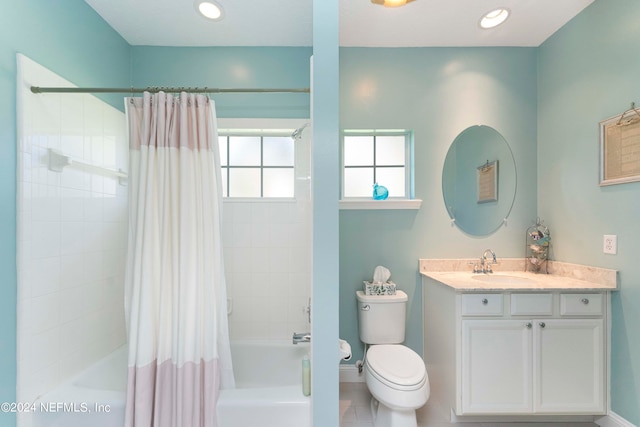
(479, 180)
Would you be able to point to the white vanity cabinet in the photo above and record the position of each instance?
(532, 366)
(517, 353)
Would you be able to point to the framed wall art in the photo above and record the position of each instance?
(488, 182)
(620, 148)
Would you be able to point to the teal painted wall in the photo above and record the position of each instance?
(325, 169)
(437, 92)
(69, 38)
(231, 67)
(589, 71)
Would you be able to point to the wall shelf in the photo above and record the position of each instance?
(389, 204)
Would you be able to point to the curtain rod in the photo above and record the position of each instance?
(37, 89)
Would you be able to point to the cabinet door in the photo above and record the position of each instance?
(569, 366)
(496, 366)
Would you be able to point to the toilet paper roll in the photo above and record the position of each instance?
(345, 350)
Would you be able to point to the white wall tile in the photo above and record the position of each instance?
(241, 212)
(45, 276)
(71, 270)
(227, 212)
(45, 203)
(279, 259)
(93, 207)
(46, 239)
(93, 266)
(73, 237)
(280, 234)
(276, 308)
(71, 307)
(110, 184)
(260, 234)
(92, 298)
(281, 213)
(259, 260)
(260, 213)
(70, 287)
(266, 285)
(71, 178)
(72, 336)
(241, 284)
(72, 204)
(45, 312)
(46, 343)
(279, 284)
(242, 236)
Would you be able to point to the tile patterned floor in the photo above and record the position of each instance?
(355, 412)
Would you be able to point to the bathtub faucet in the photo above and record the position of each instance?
(301, 337)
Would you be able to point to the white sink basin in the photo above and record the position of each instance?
(503, 279)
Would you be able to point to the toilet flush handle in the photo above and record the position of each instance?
(365, 307)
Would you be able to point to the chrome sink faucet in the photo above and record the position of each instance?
(301, 337)
(486, 264)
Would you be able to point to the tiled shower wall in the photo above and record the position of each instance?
(72, 229)
(267, 259)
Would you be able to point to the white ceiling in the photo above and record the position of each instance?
(289, 22)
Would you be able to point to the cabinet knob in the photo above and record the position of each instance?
(485, 301)
(542, 324)
(528, 325)
(585, 301)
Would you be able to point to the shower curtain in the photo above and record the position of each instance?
(175, 291)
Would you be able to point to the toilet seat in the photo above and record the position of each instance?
(396, 366)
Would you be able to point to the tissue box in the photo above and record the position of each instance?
(379, 288)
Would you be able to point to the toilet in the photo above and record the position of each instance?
(395, 375)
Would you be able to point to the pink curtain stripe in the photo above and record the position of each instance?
(169, 396)
(180, 126)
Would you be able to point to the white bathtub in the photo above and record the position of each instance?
(268, 391)
(95, 397)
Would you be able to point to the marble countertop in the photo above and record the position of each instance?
(509, 275)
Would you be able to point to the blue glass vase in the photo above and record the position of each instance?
(380, 192)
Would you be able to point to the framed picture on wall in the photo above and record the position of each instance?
(620, 148)
(488, 182)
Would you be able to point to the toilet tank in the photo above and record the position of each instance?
(381, 318)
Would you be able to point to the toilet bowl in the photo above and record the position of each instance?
(397, 379)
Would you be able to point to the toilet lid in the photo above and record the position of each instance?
(396, 363)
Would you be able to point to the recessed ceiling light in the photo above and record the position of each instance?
(494, 18)
(209, 9)
(391, 3)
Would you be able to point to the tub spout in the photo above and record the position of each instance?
(301, 337)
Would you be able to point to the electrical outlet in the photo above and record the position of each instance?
(610, 244)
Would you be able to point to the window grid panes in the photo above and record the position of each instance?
(375, 158)
(257, 166)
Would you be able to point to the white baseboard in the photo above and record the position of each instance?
(349, 374)
(613, 420)
(555, 419)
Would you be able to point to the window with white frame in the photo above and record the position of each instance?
(382, 157)
(257, 164)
